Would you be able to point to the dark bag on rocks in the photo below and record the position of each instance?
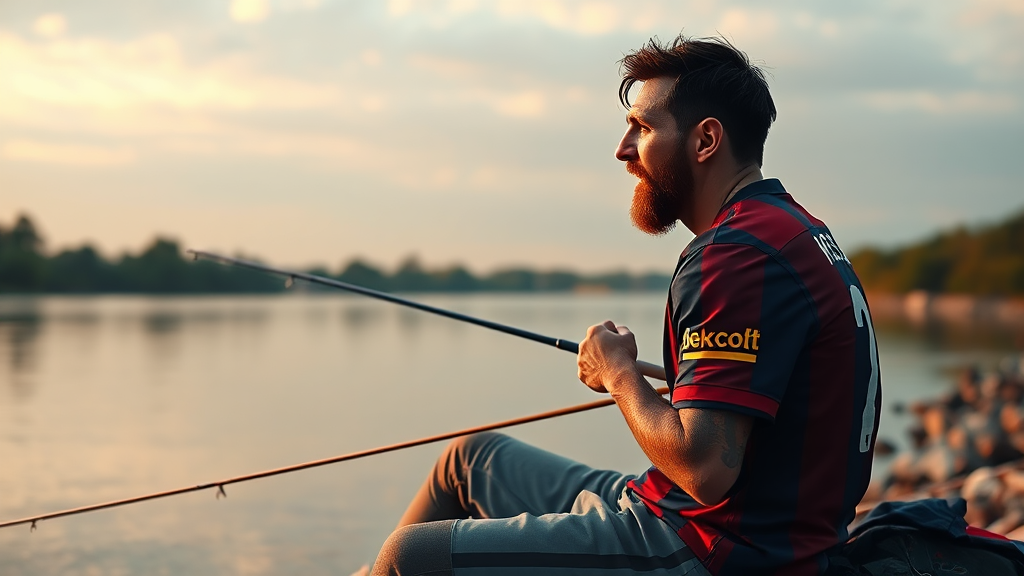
(898, 551)
(925, 538)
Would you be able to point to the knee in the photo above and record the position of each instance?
(465, 449)
(416, 549)
(396, 552)
(452, 472)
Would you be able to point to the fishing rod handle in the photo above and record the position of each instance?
(651, 370)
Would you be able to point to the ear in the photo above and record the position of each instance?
(709, 135)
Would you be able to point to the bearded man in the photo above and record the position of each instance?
(763, 449)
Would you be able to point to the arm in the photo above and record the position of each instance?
(700, 450)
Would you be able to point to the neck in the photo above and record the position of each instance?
(747, 175)
(716, 192)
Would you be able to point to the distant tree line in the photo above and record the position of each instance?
(163, 268)
(987, 261)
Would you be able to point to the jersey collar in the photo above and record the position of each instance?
(765, 186)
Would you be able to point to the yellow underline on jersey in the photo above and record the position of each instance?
(719, 355)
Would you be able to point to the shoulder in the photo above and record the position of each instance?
(768, 218)
(762, 217)
(764, 251)
(764, 221)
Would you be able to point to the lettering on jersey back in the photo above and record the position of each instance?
(741, 346)
(830, 248)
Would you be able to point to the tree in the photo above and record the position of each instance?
(411, 277)
(22, 265)
(988, 261)
(362, 274)
(82, 270)
(159, 269)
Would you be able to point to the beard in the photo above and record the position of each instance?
(660, 197)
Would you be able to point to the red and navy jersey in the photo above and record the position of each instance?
(766, 317)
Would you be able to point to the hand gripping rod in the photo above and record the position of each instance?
(646, 368)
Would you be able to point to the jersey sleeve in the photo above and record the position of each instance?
(740, 322)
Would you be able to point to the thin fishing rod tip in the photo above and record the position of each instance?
(221, 492)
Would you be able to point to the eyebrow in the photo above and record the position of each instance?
(636, 115)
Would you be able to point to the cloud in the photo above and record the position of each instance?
(247, 11)
(473, 83)
(991, 39)
(372, 103)
(437, 11)
(586, 18)
(748, 25)
(50, 25)
(447, 67)
(975, 102)
(66, 154)
(400, 7)
(582, 17)
(128, 78)
(371, 57)
(291, 5)
(150, 101)
(823, 26)
(981, 12)
(523, 105)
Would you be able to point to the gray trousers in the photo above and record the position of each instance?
(494, 505)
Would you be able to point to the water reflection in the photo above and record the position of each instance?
(172, 327)
(162, 322)
(411, 326)
(357, 318)
(20, 328)
(943, 335)
(20, 339)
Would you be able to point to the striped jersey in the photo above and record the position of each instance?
(766, 317)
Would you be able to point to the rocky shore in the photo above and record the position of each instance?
(970, 443)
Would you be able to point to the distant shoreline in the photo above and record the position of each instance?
(163, 268)
(922, 308)
(299, 290)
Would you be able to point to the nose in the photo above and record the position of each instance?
(626, 150)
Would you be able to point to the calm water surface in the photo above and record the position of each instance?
(108, 397)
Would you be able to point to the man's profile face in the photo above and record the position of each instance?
(652, 149)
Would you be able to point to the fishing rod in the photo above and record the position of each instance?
(220, 484)
(646, 368)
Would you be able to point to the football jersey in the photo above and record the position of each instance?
(766, 317)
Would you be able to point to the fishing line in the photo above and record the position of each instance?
(646, 368)
(220, 484)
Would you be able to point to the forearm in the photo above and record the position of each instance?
(698, 449)
(654, 424)
(686, 457)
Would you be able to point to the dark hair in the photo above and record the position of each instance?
(713, 79)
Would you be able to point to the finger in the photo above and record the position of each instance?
(596, 328)
(623, 330)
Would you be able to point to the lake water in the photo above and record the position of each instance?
(109, 397)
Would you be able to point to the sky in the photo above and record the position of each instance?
(479, 132)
